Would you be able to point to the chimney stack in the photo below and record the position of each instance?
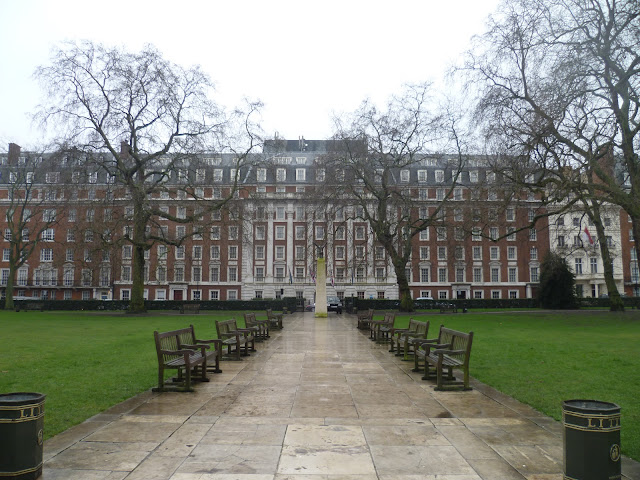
(14, 154)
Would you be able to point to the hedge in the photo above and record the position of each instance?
(115, 305)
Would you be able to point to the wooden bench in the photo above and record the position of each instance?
(379, 329)
(186, 360)
(190, 308)
(364, 318)
(29, 305)
(408, 339)
(448, 307)
(275, 319)
(212, 349)
(260, 328)
(235, 338)
(450, 351)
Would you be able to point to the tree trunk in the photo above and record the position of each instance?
(8, 301)
(404, 292)
(615, 301)
(136, 304)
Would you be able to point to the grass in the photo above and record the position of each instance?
(544, 358)
(86, 362)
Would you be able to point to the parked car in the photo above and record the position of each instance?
(425, 302)
(334, 304)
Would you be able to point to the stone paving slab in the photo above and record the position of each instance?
(318, 401)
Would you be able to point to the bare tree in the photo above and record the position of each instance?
(559, 81)
(373, 149)
(149, 125)
(34, 200)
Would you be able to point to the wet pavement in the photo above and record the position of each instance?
(317, 401)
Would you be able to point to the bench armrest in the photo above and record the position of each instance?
(186, 351)
(196, 346)
(444, 351)
(215, 341)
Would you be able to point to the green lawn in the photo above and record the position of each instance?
(87, 362)
(544, 358)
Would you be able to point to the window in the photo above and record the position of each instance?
(127, 251)
(533, 274)
(233, 252)
(279, 252)
(511, 253)
(439, 176)
(593, 261)
(495, 274)
(442, 275)
(300, 233)
(576, 221)
(460, 275)
(196, 274)
(215, 233)
(533, 235)
(478, 294)
(494, 253)
(477, 253)
(197, 252)
(280, 213)
(161, 274)
(339, 235)
(424, 253)
(259, 252)
(261, 175)
(578, 266)
(340, 253)
(260, 232)
(533, 253)
(49, 215)
(6, 252)
(280, 232)
(181, 231)
(561, 242)
(457, 194)
(301, 174)
(319, 232)
(281, 175)
(178, 274)
(181, 212)
(443, 294)
(512, 274)
(473, 176)
(477, 274)
(320, 175)
(424, 235)
(46, 255)
(214, 274)
(513, 294)
(459, 252)
(404, 176)
(422, 175)
(360, 233)
(125, 275)
(360, 252)
(440, 194)
(424, 275)
(233, 232)
(88, 236)
(180, 252)
(441, 233)
(511, 214)
(48, 235)
(494, 233)
(217, 175)
(300, 255)
(232, 275)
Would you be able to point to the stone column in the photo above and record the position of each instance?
(321, 289)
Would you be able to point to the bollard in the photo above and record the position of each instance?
(591, 440)
(21, 430)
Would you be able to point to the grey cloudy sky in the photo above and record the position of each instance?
(304, 60)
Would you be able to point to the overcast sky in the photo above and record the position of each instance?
(304, 60)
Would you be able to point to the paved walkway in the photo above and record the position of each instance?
(318, 401)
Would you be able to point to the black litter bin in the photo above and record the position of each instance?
(21, 427)
(591, 440)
